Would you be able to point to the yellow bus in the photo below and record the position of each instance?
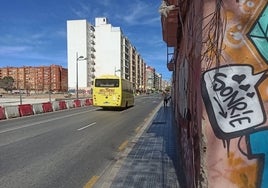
(112, 91)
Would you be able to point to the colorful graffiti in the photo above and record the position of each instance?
(258, 34)
(232, 99)
(242, 173)
(257, 147)
(235, 108)
(235, 95)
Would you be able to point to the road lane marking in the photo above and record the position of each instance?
(43, 121)
(91, 124)
(91, 182)
(123, 145)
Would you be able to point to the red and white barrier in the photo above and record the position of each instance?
(7, 112)
(88, 102)
(55, 105)
(47, 107)
(70, 104)
(38, 108)
(2, 113)
(77, 103)
(62, 105)
(25, 110)
(12, 112)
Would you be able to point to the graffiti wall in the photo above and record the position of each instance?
(235, 97)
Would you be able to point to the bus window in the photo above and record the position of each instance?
(106, 83)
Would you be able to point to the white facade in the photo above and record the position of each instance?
(112, 54)
(80, 42)
(108, 48)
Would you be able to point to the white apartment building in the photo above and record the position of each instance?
(108, 52)
(111, 50)
(150, 79)
(80, 54)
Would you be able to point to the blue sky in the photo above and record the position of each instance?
(33, 32)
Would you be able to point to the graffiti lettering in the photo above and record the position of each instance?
(234, 103)
(230, 93)
(239, 121)
(219, 81)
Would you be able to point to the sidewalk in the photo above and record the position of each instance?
(149, 162)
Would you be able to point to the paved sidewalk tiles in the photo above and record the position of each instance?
(151, 162)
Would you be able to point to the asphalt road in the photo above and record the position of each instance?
(66, 149)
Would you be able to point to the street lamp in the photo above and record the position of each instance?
(80, 58)
(116, 70)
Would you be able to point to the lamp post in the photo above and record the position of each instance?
(80, 58)
(19, 81)
(20, 97)
(117, 70)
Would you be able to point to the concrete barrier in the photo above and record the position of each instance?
(2, 113)
(12, 112)
(38, 108)
(25, 110)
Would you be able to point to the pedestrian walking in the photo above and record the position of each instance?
(166, 98)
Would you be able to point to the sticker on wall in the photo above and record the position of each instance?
(232, 100)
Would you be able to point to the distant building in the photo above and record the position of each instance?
(113, 54)
(81, 54)
(166, 84)
(37, 79)
(137, 70)
(158, 81)
(150, 79)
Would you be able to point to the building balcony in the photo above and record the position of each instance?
(169, 23)
(171, 65)
(92, 28)
(93, 49)
(92, 35)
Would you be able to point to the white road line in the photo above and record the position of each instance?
(44, 121)
(80, 129)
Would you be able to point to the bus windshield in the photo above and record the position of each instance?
(106, 83)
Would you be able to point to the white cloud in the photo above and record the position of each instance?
(140, 13)
(84, 10)
(25, 39)
(126, 12)
(7, 50)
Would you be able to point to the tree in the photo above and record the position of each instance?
(7, 83)
(168, 88)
